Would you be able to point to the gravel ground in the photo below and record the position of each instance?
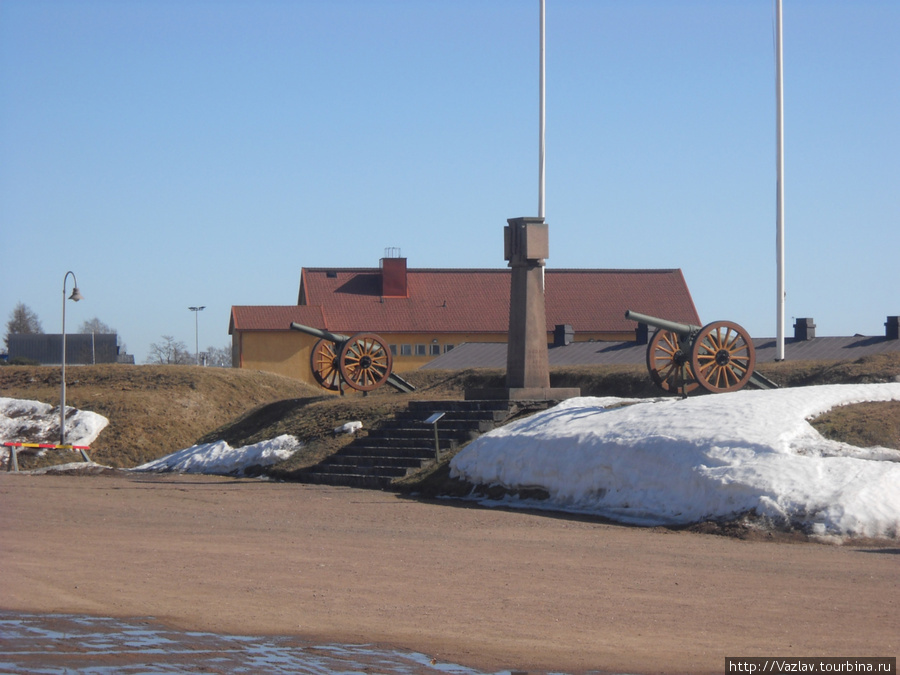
(490, 589)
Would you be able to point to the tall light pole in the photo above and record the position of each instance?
(76, 296)
(196, 311)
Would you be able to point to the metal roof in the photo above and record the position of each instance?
(493, 355)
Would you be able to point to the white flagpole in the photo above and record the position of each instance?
(779, 223)
(542, 116)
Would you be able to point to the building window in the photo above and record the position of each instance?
(448, 348)
(405, 350)
(393, 349)
(420, 350)
(434, 350)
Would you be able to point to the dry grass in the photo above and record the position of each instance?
(156, 410)
(864, 425)
(152, 410)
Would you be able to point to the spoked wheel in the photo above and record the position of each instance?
(324, 363)
(669, 365)
(365, 361)
(723, 357)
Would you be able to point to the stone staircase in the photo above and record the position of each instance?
(406, 442)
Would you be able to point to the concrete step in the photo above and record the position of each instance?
(410, 440)
(462, 406)
(397, 445)
(444, 426)
(450, 415)
(350, 470)
(388, 451)
(364, 460)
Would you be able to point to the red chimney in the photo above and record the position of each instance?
(393, 278)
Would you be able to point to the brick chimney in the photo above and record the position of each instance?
(892, 328)
(563, 334)
(393, 278)
(642, 334)
(804, 329)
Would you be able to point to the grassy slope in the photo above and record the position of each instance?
(152, 410)
(155, 410)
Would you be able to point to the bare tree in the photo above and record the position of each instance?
(170, 352)
(95, 325)
(22, 320)
(220, 358)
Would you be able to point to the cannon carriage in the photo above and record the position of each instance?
(361, 361)
(718, 357)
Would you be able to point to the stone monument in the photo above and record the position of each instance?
(526, 246)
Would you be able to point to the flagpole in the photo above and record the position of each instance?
(542, 116)
(779, 218)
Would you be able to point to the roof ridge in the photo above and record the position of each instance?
(590, 270)
(618, 270)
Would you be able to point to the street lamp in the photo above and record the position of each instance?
(76, 296)
(196, 311)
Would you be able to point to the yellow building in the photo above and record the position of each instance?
(422, 313)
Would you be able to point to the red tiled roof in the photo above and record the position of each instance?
(274, 317)
(596, 300)
(477, 300)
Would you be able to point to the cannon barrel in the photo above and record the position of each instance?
(682, 329)
(336, 338)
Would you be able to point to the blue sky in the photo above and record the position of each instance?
(197, 152)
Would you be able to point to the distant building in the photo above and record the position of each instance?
(424, 313)
(81, 348)
(803, 346)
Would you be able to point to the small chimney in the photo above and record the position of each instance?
(642, 334)
(804, 329)
(393, 278)
(563, 334)
(892, 328)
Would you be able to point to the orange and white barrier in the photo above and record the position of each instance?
(14, 446)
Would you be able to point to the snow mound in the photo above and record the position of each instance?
(220, 458)
(24, 421)
(348, 428)
(673, 461)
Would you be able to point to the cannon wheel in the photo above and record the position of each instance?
(669, 366)
(324, 363)
(723, 357)
(365, 361)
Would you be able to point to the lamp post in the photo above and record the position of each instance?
(76, 296)
(196, 311)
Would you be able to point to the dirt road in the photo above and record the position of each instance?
(488, 588)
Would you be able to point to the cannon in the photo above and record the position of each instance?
(362, 361)
(718, 357)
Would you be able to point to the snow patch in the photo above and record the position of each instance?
(673, 461)
(348, 428)
(220, 458)
(24, 421)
